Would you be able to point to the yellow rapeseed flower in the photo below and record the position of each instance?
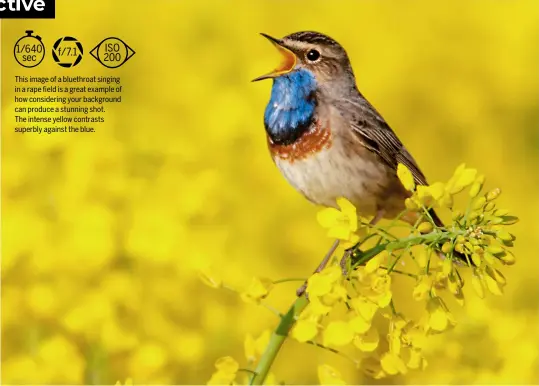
(462, 178)
(364, 307)
(359, 325)
(226, 370)
(254, 348)
(422, 288)
(367, 342)
(257, 290)
(393, 364)
(439, 318)
(322, 283)
(305, 330)
(415, 359)
(477, 186)
(341, 224)
(406, 177)
(338, 333)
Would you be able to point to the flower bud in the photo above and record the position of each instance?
(509, 220)
(489, 258)
(489, 207)
(501, 212)
(453, 286)
(478, 286)
(475, 189)
(425, 227)
(457, 215)
(411, 204)
(479, 203)
(496, 250)
(504, 235)
(472, 216)
(493, 194)
(447, 267)
(496, 275)
(508, 259)
(447, 247)
(476, 259)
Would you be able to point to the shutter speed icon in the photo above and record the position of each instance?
(29, 50)
(112, 52)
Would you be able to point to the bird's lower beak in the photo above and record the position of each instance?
(288, 63)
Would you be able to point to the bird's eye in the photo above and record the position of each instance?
(313, 55)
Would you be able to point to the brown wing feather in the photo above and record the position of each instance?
(376, 135)
(379, 138)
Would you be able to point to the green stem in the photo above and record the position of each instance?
(277, 339)
(288, 320)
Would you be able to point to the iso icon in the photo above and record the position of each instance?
(112, 52)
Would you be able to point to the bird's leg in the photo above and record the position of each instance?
(379, 215)
(301, 290)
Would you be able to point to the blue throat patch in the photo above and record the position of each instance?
(290, 110)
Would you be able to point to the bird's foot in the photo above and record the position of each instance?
(344, 260)
(301, 290)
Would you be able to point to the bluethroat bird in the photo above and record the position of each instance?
(327, 140)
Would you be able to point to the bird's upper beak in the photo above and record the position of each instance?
(288, 63)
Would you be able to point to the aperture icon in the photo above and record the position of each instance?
(112, 52)
(67, 51)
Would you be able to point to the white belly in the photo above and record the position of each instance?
(338, 172)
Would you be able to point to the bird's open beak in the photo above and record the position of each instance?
(288, 63)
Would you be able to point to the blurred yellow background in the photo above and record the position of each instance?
(103, 234)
